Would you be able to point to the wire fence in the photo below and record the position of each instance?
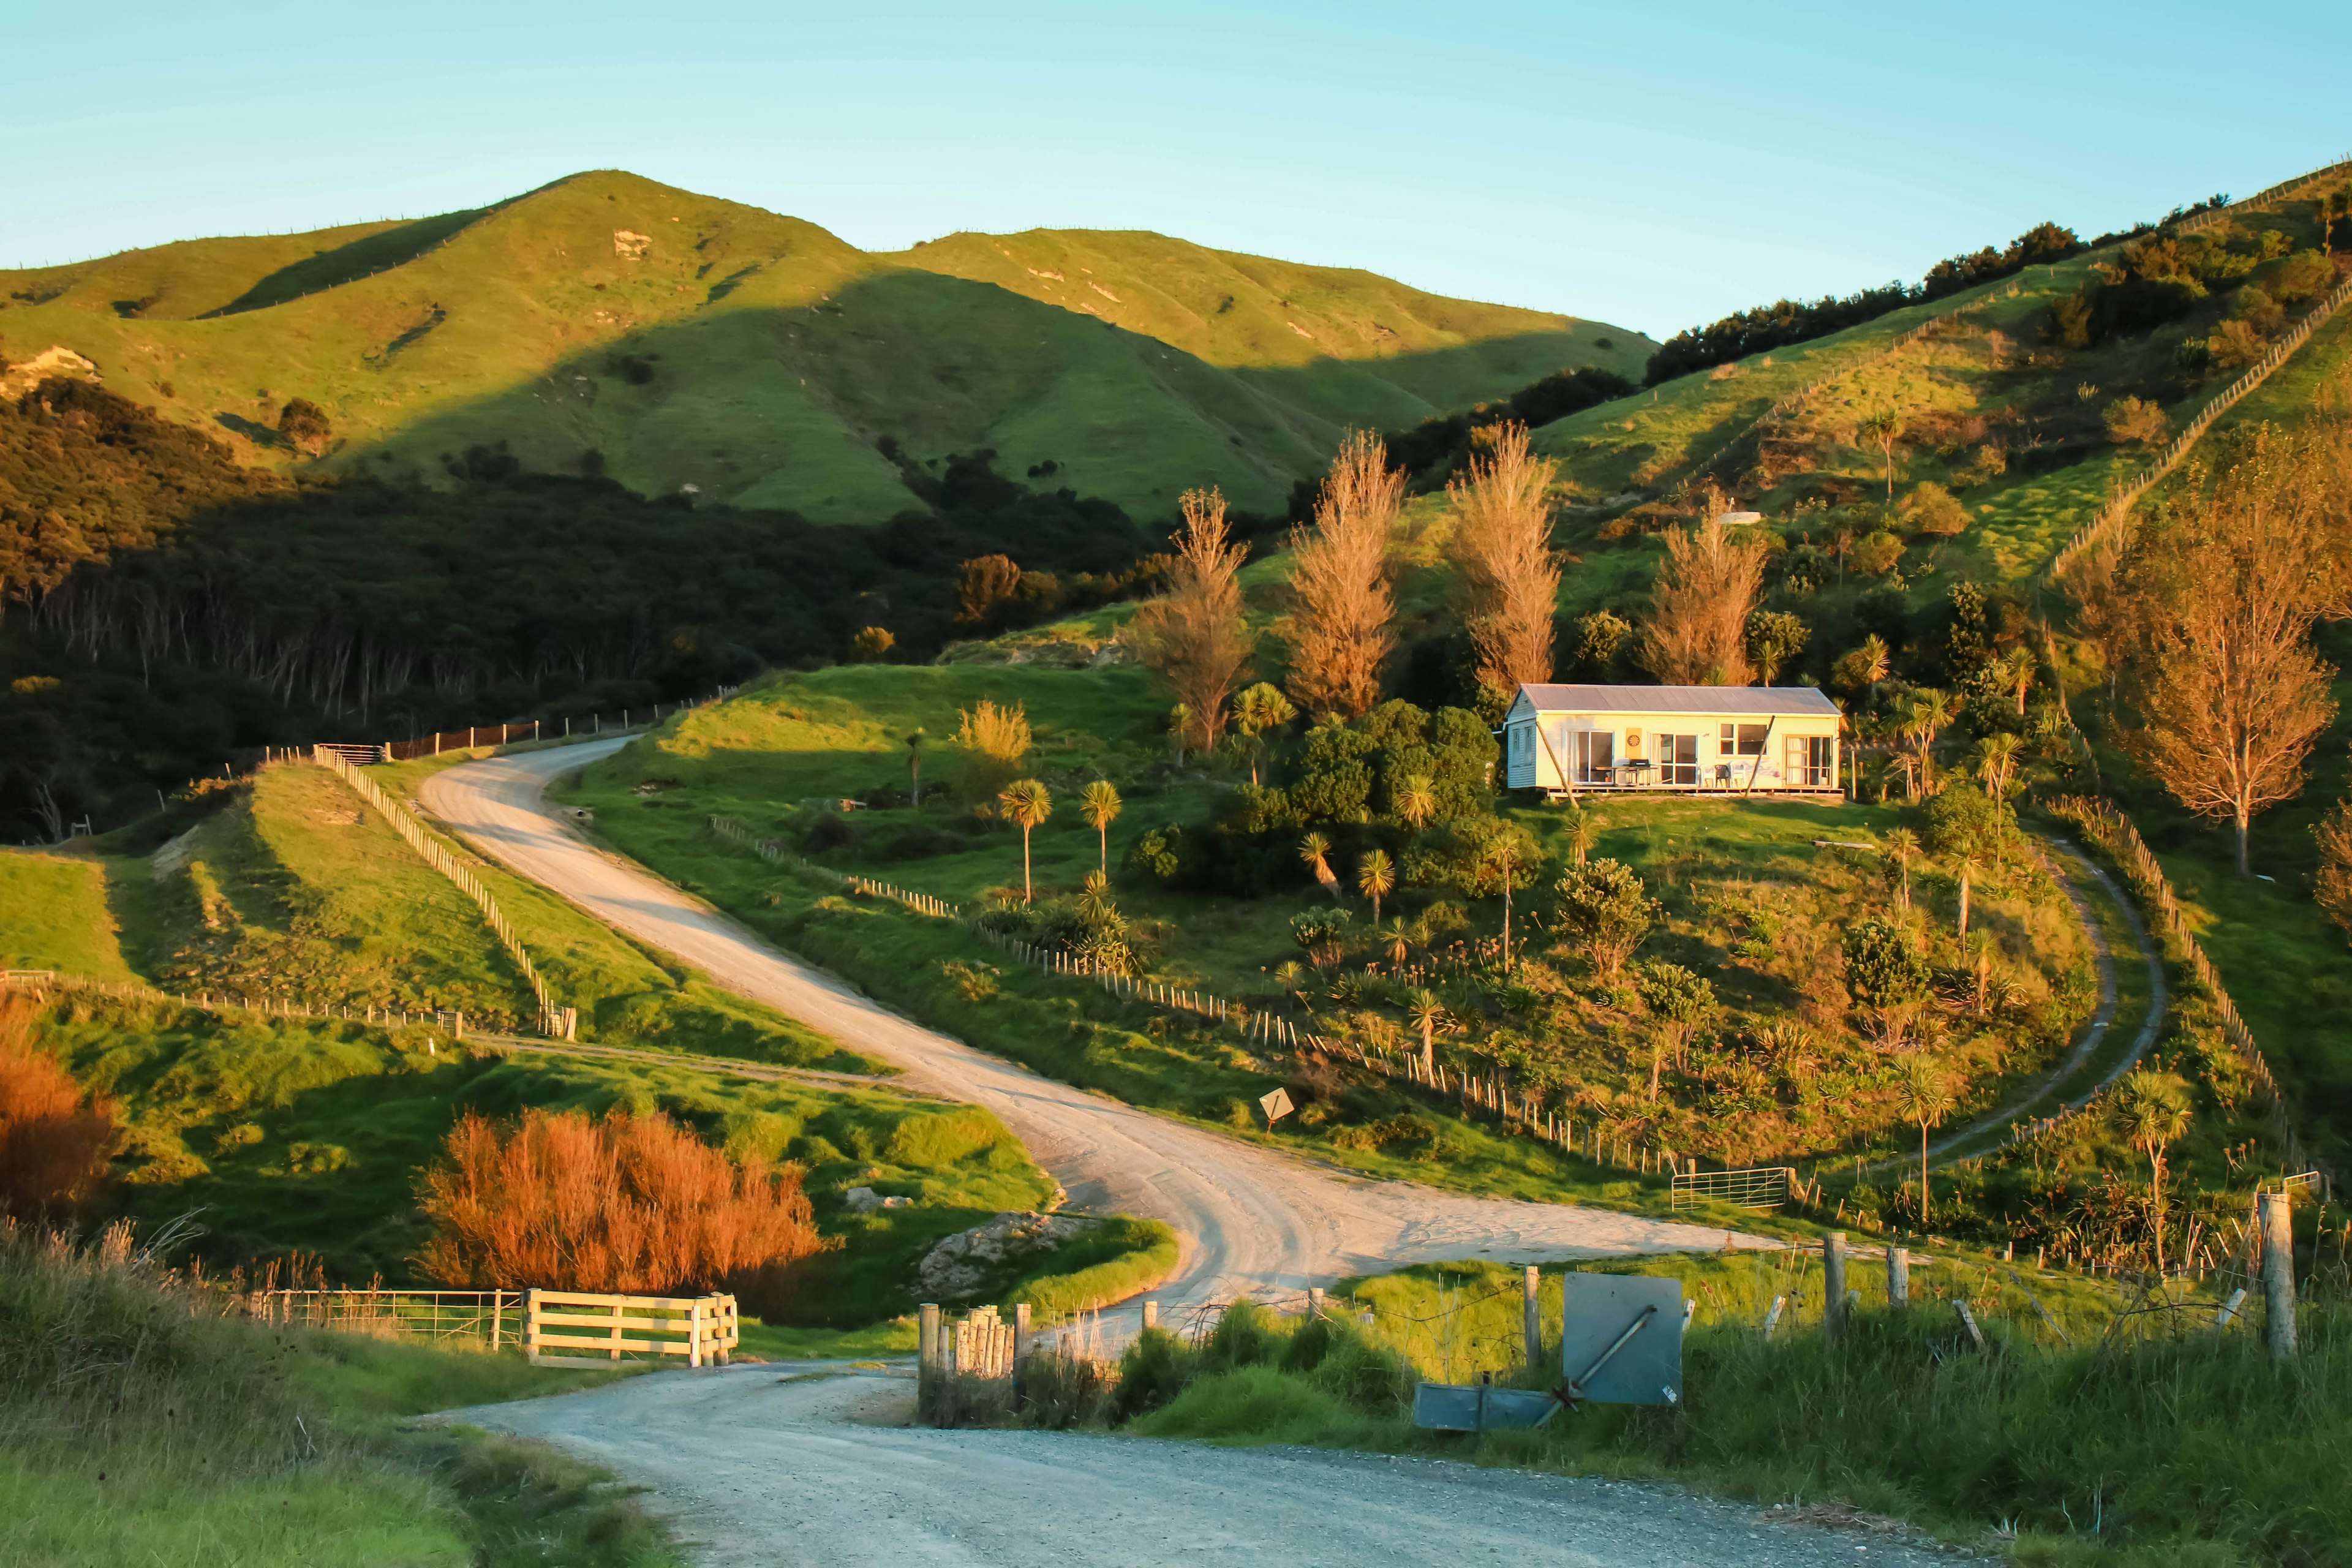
(493, 1317)
(2104, 823)
(38, 981)
(556, 1022)
(2109, 523)
(1520, 1113)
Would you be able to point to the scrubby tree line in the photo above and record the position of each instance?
(1787, 321)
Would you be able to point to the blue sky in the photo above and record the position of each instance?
(1651, 165)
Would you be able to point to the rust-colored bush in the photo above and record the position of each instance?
(630, 1204)
(53, 1143)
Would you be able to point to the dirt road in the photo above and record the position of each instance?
(1249, 1219)
(766, 1465)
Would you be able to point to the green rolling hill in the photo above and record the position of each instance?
(608, 324)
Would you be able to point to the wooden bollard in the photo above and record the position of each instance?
(1020, 1345)
(2278, 1275)
(926, 1338)
(1151, 1315)
(1832, 1283)
(1899, 1277)
(1314, 1304)
(1531, 1316)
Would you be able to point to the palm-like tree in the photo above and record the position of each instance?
(1314, 852)
(1881, 430)
(1903, 844)
(1924, 1097)
(1431, 1016)
(1100, 803)
(1416, 800)
(1583, 833)
(1930, 711)
(1500, 861)
(1997, 761)
(1968, 869)
(1375, 878)
(1258, 709)
(2016, 671)
(2150, 1112)
(1027, 805)
(1398, 940)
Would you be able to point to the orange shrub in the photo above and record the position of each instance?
(53, 1145)
(632, 1205)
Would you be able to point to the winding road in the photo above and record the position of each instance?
(1249, 1220)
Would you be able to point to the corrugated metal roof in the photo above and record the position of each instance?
(1791, 701)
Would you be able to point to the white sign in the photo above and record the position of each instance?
(1276, 1105)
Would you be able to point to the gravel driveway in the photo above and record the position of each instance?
(782, 1465)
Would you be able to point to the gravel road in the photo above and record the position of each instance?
(1249, 1219)
(772, 1465)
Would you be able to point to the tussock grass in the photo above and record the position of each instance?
(140, 1423)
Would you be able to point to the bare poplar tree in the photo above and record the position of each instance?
(1502, 544)
(1696, 632)
(1192, 634)
(2229, 693)
(1342, 612)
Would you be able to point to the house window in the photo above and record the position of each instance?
(1596, 754)
(1742, 741)
(1678, 759)
(1813, 761)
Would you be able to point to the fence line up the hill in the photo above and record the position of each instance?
(37, 980)
(2104, 823)
(2110, 519)
(2211, 215)
(1256, 1024)
(553, 1021)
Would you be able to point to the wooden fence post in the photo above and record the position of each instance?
(1832, 1283)
(531, 1324)
(1899, 1277)
(694, 1330)
(1531, 1316)
(2278, 1275)
(1151, 1315)
(926, 1340)
(1020, 1346)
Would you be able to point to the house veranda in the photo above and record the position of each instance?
(1696, 739)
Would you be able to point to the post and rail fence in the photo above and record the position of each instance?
(705, 1330)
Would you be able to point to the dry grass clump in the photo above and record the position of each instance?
(628, 1204)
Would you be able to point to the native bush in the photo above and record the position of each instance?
(631, 1204)
(1603, 908)
(53, 1143)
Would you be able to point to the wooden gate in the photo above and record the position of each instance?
(702, 1329)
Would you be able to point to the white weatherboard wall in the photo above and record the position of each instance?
(1694, 738)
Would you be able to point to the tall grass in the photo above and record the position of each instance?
(141, 1421)
(625, 1203)
(2161, 1441)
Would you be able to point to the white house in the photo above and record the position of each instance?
(1566, 740)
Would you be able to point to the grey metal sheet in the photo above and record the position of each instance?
(1788, 701)
(1596, 1309)
(1454, 1407)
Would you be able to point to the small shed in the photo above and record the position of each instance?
(1566, 739)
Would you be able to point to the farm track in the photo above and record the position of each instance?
(815, 1465)
(1249, 1220)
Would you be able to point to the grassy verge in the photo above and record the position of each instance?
(2148, 1447)
(53, 915)
(139, 1424)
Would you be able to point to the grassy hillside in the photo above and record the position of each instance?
(217, 1440)
(689, 342)
(1749, 899)
(301, 1136)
